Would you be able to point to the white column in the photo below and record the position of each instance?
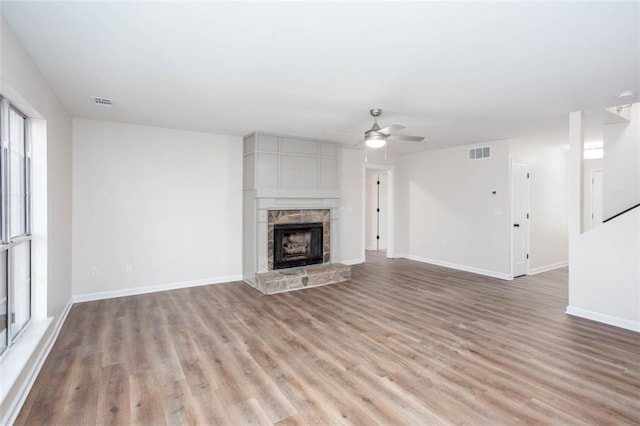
(576, 143)
(333, 220)
(261, 239)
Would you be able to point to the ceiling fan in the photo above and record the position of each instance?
(377, 137)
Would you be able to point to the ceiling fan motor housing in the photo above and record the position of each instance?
(372, 137)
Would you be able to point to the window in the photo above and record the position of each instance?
(15, 235)
(593, 150)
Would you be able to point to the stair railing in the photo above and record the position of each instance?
(621, 213)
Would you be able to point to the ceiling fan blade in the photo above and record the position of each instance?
(406, 138)
(392, 128)
(341, 134)
(359, 143)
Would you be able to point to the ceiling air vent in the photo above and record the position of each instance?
(103, 102)
(480, 153)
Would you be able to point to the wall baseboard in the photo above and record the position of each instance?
(352, 261)
(465, 268)
(547, 268)
(87, 297)
(603, 318)
(21, 395)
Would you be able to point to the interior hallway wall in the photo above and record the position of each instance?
(352, 199)
(547, 157)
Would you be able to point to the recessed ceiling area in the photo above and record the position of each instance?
(456, 73)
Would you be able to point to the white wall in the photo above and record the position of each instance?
(452, 217)
(166, 203)
(350, 184)
(621, 188)
(23, 84)
(604, 267)
(604, 279)
(547, 157)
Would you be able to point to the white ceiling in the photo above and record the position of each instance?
(454, 72)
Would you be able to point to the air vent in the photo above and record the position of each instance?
(480, 153)
(103, 102)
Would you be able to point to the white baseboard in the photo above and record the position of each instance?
(352, 261)
(546, 268)
(603, 318)
(87, 297)
(465, 268)
(15, 406)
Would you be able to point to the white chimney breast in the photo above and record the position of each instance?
(285, 173)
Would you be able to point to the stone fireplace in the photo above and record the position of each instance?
(290, 214)
(286, 228)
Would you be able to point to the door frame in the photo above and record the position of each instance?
(390, 169)
(512, 218)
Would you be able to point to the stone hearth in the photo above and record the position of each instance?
(300, 278)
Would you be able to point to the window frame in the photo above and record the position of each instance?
(8, 243)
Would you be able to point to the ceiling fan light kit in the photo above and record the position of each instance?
(376, 137)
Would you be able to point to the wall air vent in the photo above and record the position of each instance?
(480, 153)
(103, 102)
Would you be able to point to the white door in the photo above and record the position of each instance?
(520, 218)
(382, 211)
(371, 214)
(596, 198)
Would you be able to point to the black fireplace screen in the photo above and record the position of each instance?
(297, 244)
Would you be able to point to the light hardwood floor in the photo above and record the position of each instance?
(402, 343)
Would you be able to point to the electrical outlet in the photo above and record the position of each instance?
(222, 260)
(95, 272)
(128, 269)
(444, 243)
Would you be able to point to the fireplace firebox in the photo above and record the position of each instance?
(297, 244)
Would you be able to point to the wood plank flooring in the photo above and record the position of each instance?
(402, 343)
